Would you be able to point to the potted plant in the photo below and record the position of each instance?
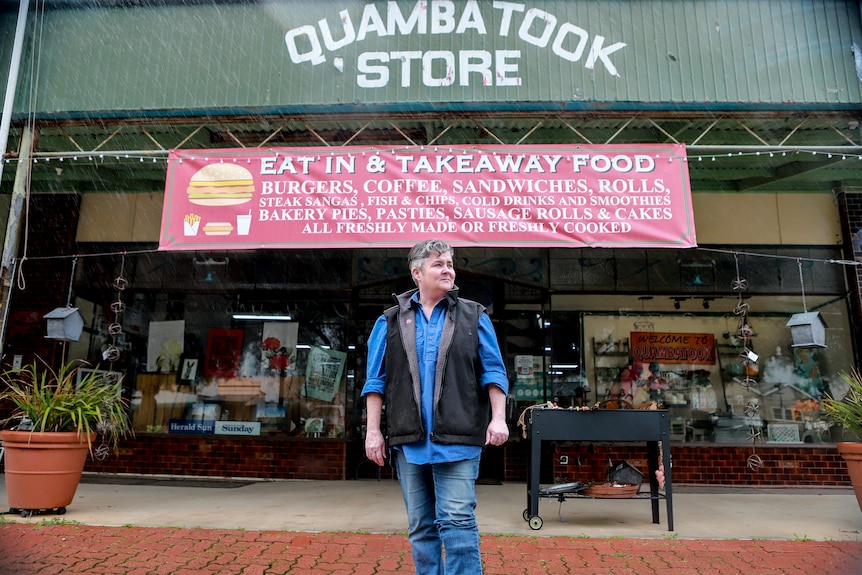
(62, 412)
(847, 412)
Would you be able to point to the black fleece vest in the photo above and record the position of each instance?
(461, 406)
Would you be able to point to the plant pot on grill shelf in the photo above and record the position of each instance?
(611, 490)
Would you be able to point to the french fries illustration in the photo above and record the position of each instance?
(191, 223)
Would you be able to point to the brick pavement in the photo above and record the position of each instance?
(50, 548)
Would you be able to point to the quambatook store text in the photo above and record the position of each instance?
(643, 194)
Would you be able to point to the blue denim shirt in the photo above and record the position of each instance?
(427, 345)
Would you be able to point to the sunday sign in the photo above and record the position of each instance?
(344, 197)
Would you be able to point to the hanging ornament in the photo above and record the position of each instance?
(101, 452)
(744, 334)
(111, 353)
(807, 329)
(65, 323)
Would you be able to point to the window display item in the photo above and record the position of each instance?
(807, 377)
(314, 426)
(783, 433)
(165, 346)
(278, 347)
(778, 369)
(188, 372)
(201, 411)
(528, 377)
(323, 373)
(332, 417)
(224, 348)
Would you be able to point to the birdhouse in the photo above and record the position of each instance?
(625, 472)
(65, 324)
(807, 329)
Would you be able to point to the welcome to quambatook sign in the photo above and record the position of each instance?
(601, 196)
(684, 348)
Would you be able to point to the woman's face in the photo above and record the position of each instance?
(436, 276)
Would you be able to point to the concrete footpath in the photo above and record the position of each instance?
(138, 526)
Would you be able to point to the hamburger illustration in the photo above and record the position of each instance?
(221, 185)
(218, 228)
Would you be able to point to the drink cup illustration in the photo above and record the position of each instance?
(243, 224)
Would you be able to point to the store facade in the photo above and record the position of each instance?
(242, 355)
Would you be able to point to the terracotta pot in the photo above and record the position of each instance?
(852, 454)
(42, 469)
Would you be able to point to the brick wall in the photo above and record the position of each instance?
(226, 457)
(799, 465)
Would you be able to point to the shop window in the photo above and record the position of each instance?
(200, 364)
(525, 355)
(717, 397)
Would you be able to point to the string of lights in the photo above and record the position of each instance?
(846, 153)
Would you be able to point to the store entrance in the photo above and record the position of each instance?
(522, 324)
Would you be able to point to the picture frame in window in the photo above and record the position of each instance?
(189, 370)
(224, 348)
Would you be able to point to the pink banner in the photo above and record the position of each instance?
(343, 197)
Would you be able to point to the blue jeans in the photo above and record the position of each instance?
(441, 501)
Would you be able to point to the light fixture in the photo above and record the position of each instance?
(261, 317)
(697, 272)
(706, 301)
(210, 262)
(208, 267)
(565, 366)
(677, 300)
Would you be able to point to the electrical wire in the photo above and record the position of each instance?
(35, 53)
(780, 257)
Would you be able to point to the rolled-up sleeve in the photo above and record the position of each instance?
(493, 368)
(375, 369)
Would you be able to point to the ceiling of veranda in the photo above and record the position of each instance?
(729, 152)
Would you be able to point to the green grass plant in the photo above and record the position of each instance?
(70, 398)
(847, 411)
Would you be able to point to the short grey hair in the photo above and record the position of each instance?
(423, 250)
